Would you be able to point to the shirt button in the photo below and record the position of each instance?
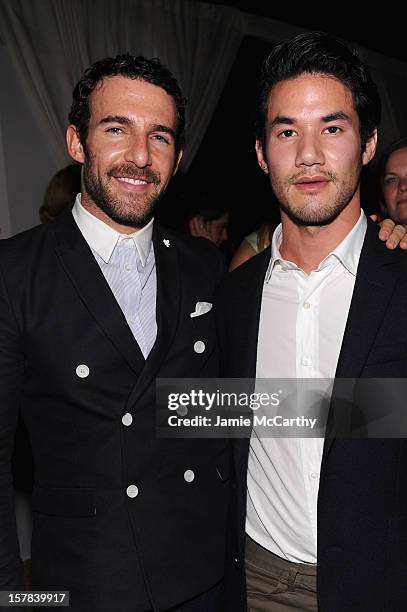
(128, 267)
(132, 491)
(182, 411)
(127, 419)
(313, 476)
(199, 346)
(306, 361)
(189, 475)
(306, 305)
(82, 371)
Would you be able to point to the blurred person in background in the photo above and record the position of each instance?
(210, 223)
(61, 192)
(393, 181)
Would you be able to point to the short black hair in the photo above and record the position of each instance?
(133, 67)
(320, 53)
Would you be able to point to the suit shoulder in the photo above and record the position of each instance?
(23, 241)
(252, 267)
(375, 249)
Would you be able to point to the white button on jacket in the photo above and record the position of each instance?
(199, 346)
(132, 491)
(82, 371)
(189, 475)
(127, 419)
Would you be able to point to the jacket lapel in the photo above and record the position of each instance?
(375, 282)
(167, 308)
(85, 274)
(249, 305)
(247, 319)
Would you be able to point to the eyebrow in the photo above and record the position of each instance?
(122, 120)
(284, 120)
(338, 116)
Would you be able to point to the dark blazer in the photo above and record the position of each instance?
(112, 552)
(362, 502)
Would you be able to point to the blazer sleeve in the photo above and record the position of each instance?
(11, 377)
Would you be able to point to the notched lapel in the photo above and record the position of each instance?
(251, 283)
(375, 283)
(167, 308)
(93, 289)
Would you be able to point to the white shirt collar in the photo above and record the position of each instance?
(102, 238)
(347, 252)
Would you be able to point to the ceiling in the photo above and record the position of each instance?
(383, 32)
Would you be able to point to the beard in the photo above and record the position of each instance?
(131, 209)
(316, 209)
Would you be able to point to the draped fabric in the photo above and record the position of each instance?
(53, 41)
(46, 44)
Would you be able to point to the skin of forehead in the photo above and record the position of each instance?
(117, 94)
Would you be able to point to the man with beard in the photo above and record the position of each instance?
(93, 308)
(320, 523)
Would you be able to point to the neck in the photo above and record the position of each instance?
(307, 245)
(97, 212)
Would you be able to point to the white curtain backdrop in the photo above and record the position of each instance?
(51, 42)
(5, 227)
(46, 44)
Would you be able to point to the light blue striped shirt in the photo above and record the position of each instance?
(128, 264)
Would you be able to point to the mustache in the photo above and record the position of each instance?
(129, 171)
(329, 175)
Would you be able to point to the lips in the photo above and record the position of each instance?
(132, 181)
(127, 174)
(309, 180)
(309, 184)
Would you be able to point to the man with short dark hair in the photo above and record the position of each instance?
(93, 308)
(324, 519)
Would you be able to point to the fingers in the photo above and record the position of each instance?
(403, 241)
(200, 228)
(194, 226)
(394, 235)
(386, 228)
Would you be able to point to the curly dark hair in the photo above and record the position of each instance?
(133, 67)
(320, 53)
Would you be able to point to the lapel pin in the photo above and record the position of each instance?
(166, 242)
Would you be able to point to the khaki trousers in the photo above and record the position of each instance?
(277, 585)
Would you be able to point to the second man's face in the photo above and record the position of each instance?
(131, 154)
(313, 149)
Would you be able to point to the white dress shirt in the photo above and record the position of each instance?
(128, 264)
(302, 322)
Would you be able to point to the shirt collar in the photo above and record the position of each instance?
(102, 238)
(347, 252)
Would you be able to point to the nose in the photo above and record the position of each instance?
(138, 151)
(309, 151)
(403, 183)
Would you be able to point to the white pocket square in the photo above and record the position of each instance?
(201, 308)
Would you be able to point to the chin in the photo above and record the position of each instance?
(314, 218)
